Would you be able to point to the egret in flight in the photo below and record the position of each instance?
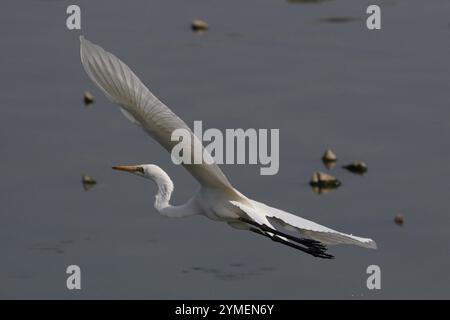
(216, 198)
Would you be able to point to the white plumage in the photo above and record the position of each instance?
(216, 198)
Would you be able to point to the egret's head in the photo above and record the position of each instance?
(143, 170)
(157, 175)
(149, 171)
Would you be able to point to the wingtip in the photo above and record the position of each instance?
(82, 48)
(84, 42)
(371, 244)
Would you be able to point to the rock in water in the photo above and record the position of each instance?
(329, 156)
(323, 180)
(199, 25)
(88, 98)
(329, 159)
(399, 220)
(358, 167)
(88, 182)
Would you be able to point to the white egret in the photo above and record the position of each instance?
(216, 197)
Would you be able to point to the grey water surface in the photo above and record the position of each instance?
(310, 68)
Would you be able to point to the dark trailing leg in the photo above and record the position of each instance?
(306, 242)
(319, 253)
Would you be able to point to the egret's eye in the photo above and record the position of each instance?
(140, 169)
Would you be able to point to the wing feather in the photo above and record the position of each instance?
(122, 86)
(308, 229)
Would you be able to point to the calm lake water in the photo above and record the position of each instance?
(377, 96)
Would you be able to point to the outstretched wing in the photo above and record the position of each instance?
(306, 228)
(122, 86)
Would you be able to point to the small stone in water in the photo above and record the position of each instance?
(399, 220)
(358, 167)
(88, 98)
(329, 156)
(323, 180)
(199, 25)
(87, 182)
(329, 159)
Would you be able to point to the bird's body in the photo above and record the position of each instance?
(215, 205)
(216, 198)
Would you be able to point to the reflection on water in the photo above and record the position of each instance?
(22, 276)
(322, 190)
(60, 247)
(235, 271)
(55, 249)
(330, 165)
(306, 1)
(338, 19)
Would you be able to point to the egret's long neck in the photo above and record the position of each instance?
(165, 189)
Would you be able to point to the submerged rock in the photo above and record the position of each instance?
(88, 98)
(88, 182)
(199, 25)
(399, 220)
(323, 180)
(358, 167)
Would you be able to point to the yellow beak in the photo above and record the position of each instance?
(126, 168)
